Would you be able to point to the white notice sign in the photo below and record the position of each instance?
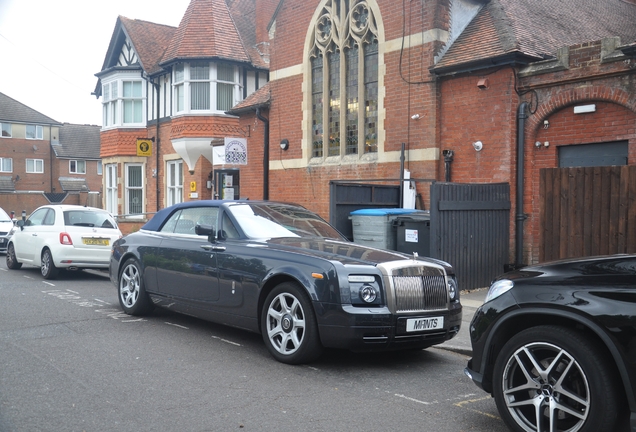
(410, 235)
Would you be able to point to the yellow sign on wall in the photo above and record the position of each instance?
(193, 186)
(144, 147)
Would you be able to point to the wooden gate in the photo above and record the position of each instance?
(346, 197)
(587, 211)
(470, 229)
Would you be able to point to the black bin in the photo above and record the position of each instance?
(414, 233)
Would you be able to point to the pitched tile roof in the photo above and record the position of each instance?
(206, 31)
(72, 184)
(243, 13)
(78, 142)
(149, 41)
(260, 98)
(13, 111)
(535, 29)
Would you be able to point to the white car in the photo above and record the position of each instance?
(7, 228)
(63, 237)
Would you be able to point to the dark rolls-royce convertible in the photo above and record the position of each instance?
(281, 270)
(555, 344)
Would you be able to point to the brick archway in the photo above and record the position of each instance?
(563, 99)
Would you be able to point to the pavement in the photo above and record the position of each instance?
(471, 300)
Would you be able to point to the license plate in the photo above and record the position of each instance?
(423, 324)
(96, 241)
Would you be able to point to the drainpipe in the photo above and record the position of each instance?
(402, 176)
(157, 87)
(265, 154)
(522, 115)
(448, 159)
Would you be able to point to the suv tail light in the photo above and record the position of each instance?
(65, 239)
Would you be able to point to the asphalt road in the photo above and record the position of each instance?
(70, 360)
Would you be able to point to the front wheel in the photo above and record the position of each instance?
(551, 378)
(288, 325)
(47, 266)
(133, 298)
(12, 261)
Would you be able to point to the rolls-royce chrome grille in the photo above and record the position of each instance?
(420, 293)
(414, 286)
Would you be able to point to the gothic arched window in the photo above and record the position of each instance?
(344, 80)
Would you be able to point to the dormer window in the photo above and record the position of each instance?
(205, 87)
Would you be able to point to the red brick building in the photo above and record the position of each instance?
(353, 82)
(44, 161)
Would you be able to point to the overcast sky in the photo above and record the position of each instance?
(50, 50)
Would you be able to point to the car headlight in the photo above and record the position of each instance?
(498, 288)
(453, 291)
(365, 290)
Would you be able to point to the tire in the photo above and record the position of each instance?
(131, 291)
(575, 377)
(47, 266)
(288, 325)
(12, 261)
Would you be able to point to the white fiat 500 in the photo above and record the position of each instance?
(63, 237)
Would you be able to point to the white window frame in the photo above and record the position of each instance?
(77, 166)
(137, 101)
(100, 168)
(37, 166)
(5, 128)
(178, 88)
(37, 131)
(181, 87)
(111, 188)
(128, 189)
(110, 103)
(174, 182)
(6, 165)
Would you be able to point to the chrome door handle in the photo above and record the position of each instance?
(209, 247)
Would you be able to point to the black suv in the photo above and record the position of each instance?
(555, 344)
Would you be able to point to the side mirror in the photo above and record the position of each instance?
(207, 230)
(20, 223)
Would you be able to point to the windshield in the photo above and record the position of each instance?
(4, 217)
(281, 220)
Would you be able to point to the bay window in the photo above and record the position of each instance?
(179, 86)
(200, 86)
(205, 86)
(132, 101)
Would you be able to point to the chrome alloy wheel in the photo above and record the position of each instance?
(129, 285)
(45, 264)
(285, 323)
(546, 389)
